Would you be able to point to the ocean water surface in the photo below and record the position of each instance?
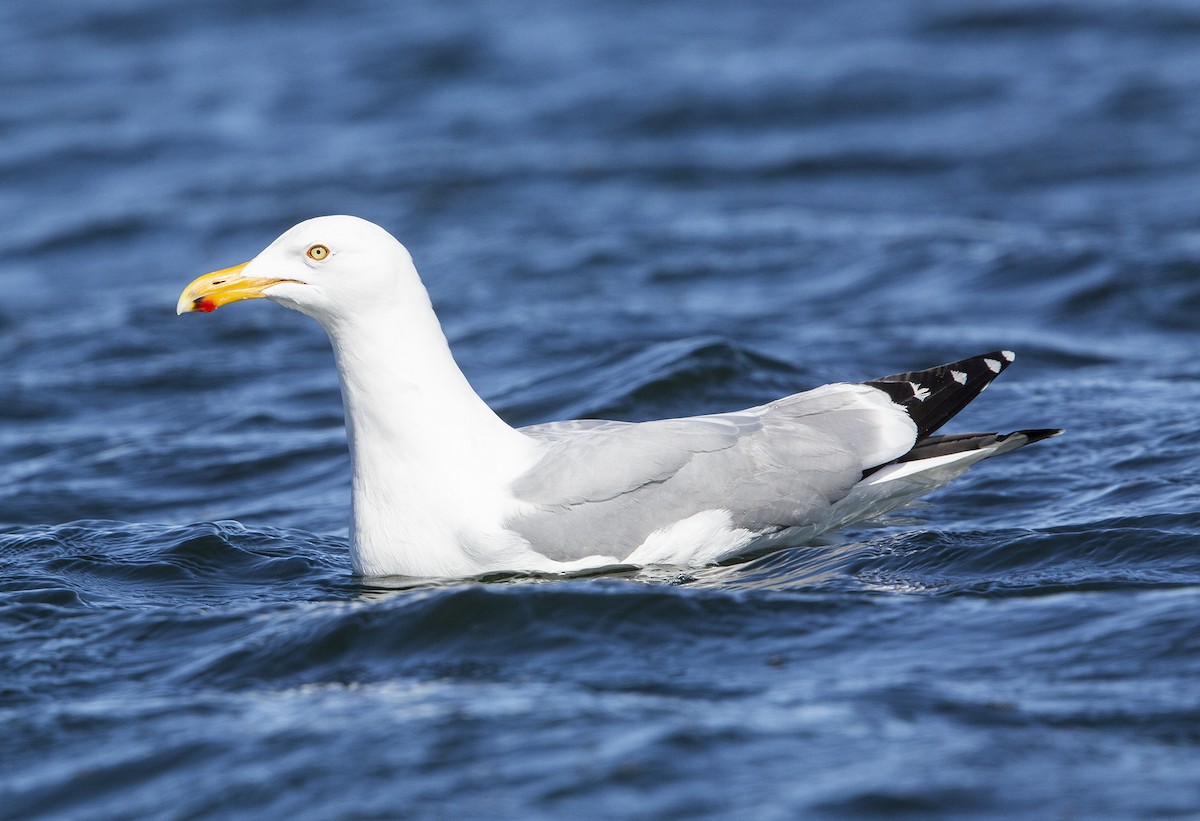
(621, 210)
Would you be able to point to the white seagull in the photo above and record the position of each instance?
(443, 487)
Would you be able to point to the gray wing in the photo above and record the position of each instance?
(603, 487)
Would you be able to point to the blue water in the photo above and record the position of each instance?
(621, 209)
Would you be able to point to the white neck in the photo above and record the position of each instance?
(430, 460)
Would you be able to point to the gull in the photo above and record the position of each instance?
(443, 487)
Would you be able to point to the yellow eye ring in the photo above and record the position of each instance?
(318, 252)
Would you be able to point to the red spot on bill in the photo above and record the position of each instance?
(205, 305)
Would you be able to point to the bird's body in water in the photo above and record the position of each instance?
(443, 487)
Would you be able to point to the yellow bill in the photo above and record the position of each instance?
(208, 292)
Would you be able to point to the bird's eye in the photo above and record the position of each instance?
(318, 252)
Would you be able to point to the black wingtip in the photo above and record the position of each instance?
(934, 395)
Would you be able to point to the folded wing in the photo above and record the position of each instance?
(602, 488)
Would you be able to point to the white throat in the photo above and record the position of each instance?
(431, 462)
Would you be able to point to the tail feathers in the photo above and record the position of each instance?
(935, 446)
(939, 459)
(932, 463)
(934, 395)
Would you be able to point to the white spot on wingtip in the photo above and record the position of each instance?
(919, 391)
(959, 377)
(993, 365)
(1009, 356)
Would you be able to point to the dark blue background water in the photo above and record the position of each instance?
(621, 209)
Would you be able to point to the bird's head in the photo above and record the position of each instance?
(326, 267)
